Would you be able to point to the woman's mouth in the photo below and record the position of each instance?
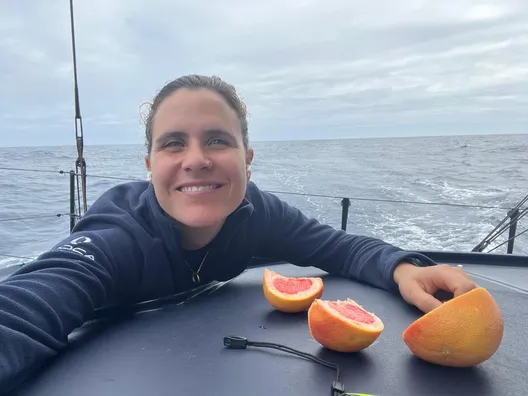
(199, 189)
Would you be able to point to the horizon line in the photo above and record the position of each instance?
(298, 140)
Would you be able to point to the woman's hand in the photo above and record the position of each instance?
(418, 284)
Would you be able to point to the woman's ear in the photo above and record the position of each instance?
(249, 158)
(147, 165)
(248, 171)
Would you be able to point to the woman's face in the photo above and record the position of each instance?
(198, 162)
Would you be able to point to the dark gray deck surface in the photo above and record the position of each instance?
(178, 349)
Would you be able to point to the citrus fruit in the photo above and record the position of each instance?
(291, 294)
(343, 326)
(462, 332)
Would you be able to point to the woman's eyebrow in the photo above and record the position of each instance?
(214, 132)
(218, 132)
(171, 135)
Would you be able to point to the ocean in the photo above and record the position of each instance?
(490, 172)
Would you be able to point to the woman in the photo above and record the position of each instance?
(198, 219)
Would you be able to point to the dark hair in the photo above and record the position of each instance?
(194, 81)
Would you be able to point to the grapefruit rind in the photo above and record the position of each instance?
(335, 332)
(463, 332)
(291, 303)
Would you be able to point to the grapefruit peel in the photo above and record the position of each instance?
(463, 332)
(291, 294)
(343, 326)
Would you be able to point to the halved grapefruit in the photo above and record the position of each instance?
(343, 326)
(462, 332)
(291, 294)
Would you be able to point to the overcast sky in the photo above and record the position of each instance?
(306, 68)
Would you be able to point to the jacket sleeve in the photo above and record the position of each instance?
(291, 236)
(45, 300)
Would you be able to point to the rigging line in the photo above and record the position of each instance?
(393, 200)
(332, 196)
(115, 177)
(522, 202)
(37, 217)
(19, 257)
(510, 239)
(80, 163)
(517, 207)
(320, 195)
(32, 170)
(505, 227)
(512, 219)
(77, 174)
(498, 230)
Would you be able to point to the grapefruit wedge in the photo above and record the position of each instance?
(291, 294)
(463, 332)
(343, 326)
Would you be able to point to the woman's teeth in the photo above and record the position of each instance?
(199, 188)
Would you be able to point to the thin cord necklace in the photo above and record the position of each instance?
(196, 274)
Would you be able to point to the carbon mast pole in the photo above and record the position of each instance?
(80, 163)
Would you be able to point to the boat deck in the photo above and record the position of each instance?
(177, 349)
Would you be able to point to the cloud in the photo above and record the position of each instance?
(307, 69)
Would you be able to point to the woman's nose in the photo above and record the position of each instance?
(195, 158)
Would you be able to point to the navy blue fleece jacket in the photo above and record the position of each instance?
(125, 250)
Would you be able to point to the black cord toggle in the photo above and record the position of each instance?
(237, 342)
(338, 388)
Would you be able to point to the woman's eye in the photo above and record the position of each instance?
(172, 143)
(217, 141)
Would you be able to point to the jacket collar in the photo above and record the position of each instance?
(167, 229)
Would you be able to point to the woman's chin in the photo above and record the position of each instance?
(202, 219)
(199, 214)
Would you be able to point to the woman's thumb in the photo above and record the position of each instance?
(414, 294)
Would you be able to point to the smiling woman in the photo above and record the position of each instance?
(198, 154)
(199, 219)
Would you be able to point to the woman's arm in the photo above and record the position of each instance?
(291, 236)
(45, 300)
